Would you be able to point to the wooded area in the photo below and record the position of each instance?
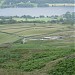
(32, 3)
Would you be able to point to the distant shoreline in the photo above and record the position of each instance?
(49, 5)
(62, 5)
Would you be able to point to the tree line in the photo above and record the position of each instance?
(67, 18)
(39, 1)
(31, 3)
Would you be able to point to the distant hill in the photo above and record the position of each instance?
(31, 3)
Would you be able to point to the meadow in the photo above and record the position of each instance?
(37, 57)
(32, 19)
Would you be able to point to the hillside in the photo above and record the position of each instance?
(31, 3)
(54, 56)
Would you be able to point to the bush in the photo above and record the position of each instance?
(2, 60)
(64, 67)
(31, 65)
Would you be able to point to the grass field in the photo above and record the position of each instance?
(36, 19)
(37, 57)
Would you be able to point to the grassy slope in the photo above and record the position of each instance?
(7, 38)
(35, 57)
(64, 67)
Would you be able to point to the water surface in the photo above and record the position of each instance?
(46, 11)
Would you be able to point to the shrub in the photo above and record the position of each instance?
(64, 67)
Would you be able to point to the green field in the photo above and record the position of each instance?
(37, 57)
(36, 19)
(15, 31)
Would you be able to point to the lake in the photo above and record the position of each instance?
(46, 11)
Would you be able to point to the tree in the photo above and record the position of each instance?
(70, 17)
(41, 16)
